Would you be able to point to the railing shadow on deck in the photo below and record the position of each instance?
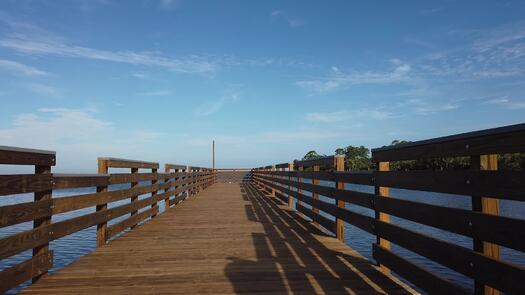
(291, 260)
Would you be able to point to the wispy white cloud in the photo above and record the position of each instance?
(504, 34)
(337, 79)
(74, 132)
(429, 11)
(32, 40)
(428, 107)
(212, 107)
(141, 76)
(20, 69)
(485, 54)
(341, 116)
(190, 64)
(292, 21)
(506, 103)
(42, 89)
(155, 93)
(170, 4)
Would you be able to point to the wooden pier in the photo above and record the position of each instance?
(277, 229)
(228, 239)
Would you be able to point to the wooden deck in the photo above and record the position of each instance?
(228, 239)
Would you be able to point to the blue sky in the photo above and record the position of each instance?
(268, 80)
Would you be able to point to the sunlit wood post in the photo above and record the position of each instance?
(489, 206)
(44, 221)
(339, 223)
(102, 227)
(382, 192)
(290, 198)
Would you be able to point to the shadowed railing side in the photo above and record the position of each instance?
(483, 184)
(144, 189)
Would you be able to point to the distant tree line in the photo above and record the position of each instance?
(358, 158)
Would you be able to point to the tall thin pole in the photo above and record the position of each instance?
(213, 152)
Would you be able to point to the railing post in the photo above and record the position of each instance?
(154, 192)
(273, 180)
(166, 189)
(382, 192)
(315, 196)
(102, 228)
(290, 198)
(264, 185)
(339, 223)
(486, 205)
(135, 197)
(299, 180)
(40, 222)
(187, 178)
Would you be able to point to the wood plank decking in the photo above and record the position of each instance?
(228, 239)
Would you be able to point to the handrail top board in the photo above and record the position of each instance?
(283, 165)
(24, 156)
(25, 150)
(328, 161)
(175, 166)
(126, 163)
(494, 140)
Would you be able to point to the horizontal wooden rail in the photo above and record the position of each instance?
(125, 163)
(171, 187)
(483, 183)
(502, 140)
(19, 156)
(322, 162)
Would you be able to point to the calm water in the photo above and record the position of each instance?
(72, 247)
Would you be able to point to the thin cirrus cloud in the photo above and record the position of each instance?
(487, 54)
(28, 39)
(155, 93)
(337, 79)
(191, 64)
(283, 15)
(20, 69)
(211, 107)
(342, 116)
(505, 102)
(170, 4)
(41, 89)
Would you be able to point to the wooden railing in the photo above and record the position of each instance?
(173, 186)
(483, 184)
